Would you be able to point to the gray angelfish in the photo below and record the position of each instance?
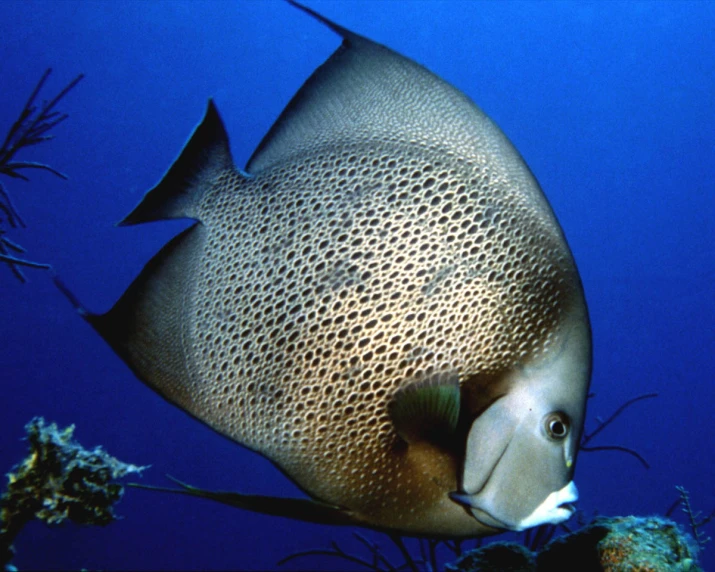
(383, 304)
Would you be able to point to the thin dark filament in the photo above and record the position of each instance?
(28, 128)
(433, 553)
(631, 452)
(409, 561)
(588, 437)
(22, 262)
(603, 424)
(9, 209)
(375, 550)
(10, 169)
(336, 552)
(378, 563)
(26, 111)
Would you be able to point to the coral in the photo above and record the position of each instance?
(32, 126)
(588, 437)
(696, 520)
(59, 481)
(621, 544)
(646, 545)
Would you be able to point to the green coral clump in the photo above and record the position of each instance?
(620, 544)
(59, 481)
(647, 544)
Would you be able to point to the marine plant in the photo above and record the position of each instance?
(602, 424)
(59, 481)
(696, 520)
(32, 126)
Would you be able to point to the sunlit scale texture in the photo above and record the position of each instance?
(343, 274)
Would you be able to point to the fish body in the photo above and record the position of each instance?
(383, 304)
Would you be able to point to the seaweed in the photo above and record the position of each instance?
(33, 126)
(59, 481)
(588, 437)
(696, 520)
(424, 556)
(376, 562)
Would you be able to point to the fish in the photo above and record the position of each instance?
(382, 303)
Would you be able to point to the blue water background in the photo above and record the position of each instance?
(611, 104)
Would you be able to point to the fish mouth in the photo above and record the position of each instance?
(567, 506)
(556, 508)
(561, 513)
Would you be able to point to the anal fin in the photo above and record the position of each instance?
(306, 510)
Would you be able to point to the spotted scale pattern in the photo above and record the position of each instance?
(339, 276)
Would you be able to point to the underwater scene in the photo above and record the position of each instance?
(334, 323)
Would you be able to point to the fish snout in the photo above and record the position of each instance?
(556, 508)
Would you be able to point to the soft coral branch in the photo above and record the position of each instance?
(32, 126)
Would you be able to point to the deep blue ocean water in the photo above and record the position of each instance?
(611, 104)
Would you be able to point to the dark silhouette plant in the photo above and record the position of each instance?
(33, 126)
(696, 520)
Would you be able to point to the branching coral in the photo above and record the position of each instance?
(33, 126)
(59, 481)
(696, 520)
(587, 437)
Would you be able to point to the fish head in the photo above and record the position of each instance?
(521, 450)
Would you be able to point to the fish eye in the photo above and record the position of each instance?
(557, 426)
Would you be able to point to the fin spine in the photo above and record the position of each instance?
(343, 32)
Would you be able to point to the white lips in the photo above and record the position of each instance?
(555, 509)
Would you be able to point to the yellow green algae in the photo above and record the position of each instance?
(58, 481)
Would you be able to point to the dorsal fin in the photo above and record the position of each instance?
(366, 91)
(346, 34)
(176, 196)
(427, 409)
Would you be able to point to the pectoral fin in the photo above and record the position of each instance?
(307, 510)
(427, 409)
